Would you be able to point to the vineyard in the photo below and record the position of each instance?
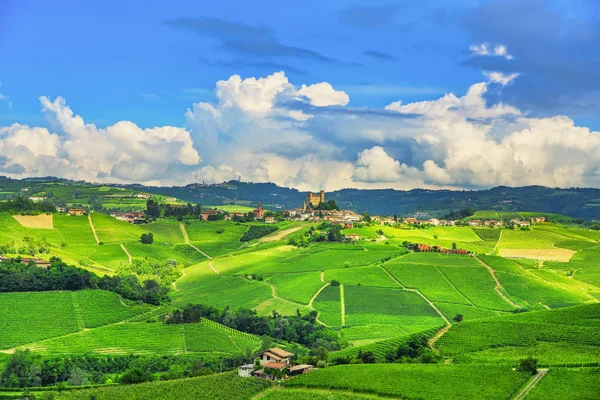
(217, 387)
(417, 381)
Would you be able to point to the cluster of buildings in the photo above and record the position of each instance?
(274, 363)
(425, 248)
(131, 217)
(37, 261)
(430, 221)
(492, 223)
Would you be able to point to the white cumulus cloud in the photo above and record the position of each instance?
(485, 49)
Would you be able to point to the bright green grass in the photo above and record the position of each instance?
(297, 287)
(551, 216)
(201, 285)
(477, 285)
(439, 260)
(575, 325)
(364, 334)
(532, 239)
(110, 255)
(161, 252)
(469, 312)
(219, 248)
(553, 354)
(365, 276)
(382, 348)
(146, 338)
(582, 384)
(165, 230)
(29, 317)
(111, 230)
(329, 306)
(426, 381)
(75, 230)
(225, 386)
(529, 290)
(209, 231)
(428, 280)
(372, 305)
(99, 307)
(233, 208)
(304, 394)
(11, 230)
(485, 214)
(585, 264)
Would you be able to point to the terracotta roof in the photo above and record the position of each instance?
(280, 352)
(271, 355)
(275, 365)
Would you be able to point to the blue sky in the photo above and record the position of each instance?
(148, 62)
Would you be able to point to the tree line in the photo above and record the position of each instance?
(302, 329)
(22, 205)
(18, 277)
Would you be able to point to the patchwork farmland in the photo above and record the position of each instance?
(475, 316)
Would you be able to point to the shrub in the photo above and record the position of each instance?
(147, 238)
(335, 283)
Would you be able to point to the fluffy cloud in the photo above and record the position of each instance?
(122, 152)
(484, 49)
(269, 130)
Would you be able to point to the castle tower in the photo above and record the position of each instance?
(322, 193)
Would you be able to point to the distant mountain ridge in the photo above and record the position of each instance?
(573, 202)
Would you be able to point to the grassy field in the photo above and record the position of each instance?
(417, 381)
(225, 386)
(561, 329)
(30, 317)
(559, 383)
(42, 221)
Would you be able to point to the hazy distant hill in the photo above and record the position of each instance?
(574, 202)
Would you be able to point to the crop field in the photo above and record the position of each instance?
(304, 394)
(111, 230)
(568, 326)
(226, 386)
(528, 289)
(160, 251)
(417, 381)
(485, 214)
(372, 305)
(165, 230)
(477, 285)
(329, 306)
(149, 338)
(42, 221)
(30, 317)
(74, 229)
(297, 287)
(438, 260)
(560, 383)
(364, 276)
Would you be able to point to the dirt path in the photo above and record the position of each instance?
(127, 252)
(343, 304)
(174, 284)
(205, 255)
(279, 235)
(186, 238)
(497, 243)
(310, 303)
(498, 284)
(214, 269)
(419, 293)
(93, 229)
(438, 335)
(544, 305)
(531, 384)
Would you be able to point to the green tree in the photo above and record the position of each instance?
(528, 364)
(322, 353)
(78, 377)
(458, 318)
(147, 238)
(366, 217)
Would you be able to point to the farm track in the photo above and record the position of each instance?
(174, 284)
(536, 379)
(310, 303)
(127, 252)
(276, 296)
(438, 335)
(186, 238)
(419, 293)
(93, 229)
(279, 235)
(497, 242)
(498, 284)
